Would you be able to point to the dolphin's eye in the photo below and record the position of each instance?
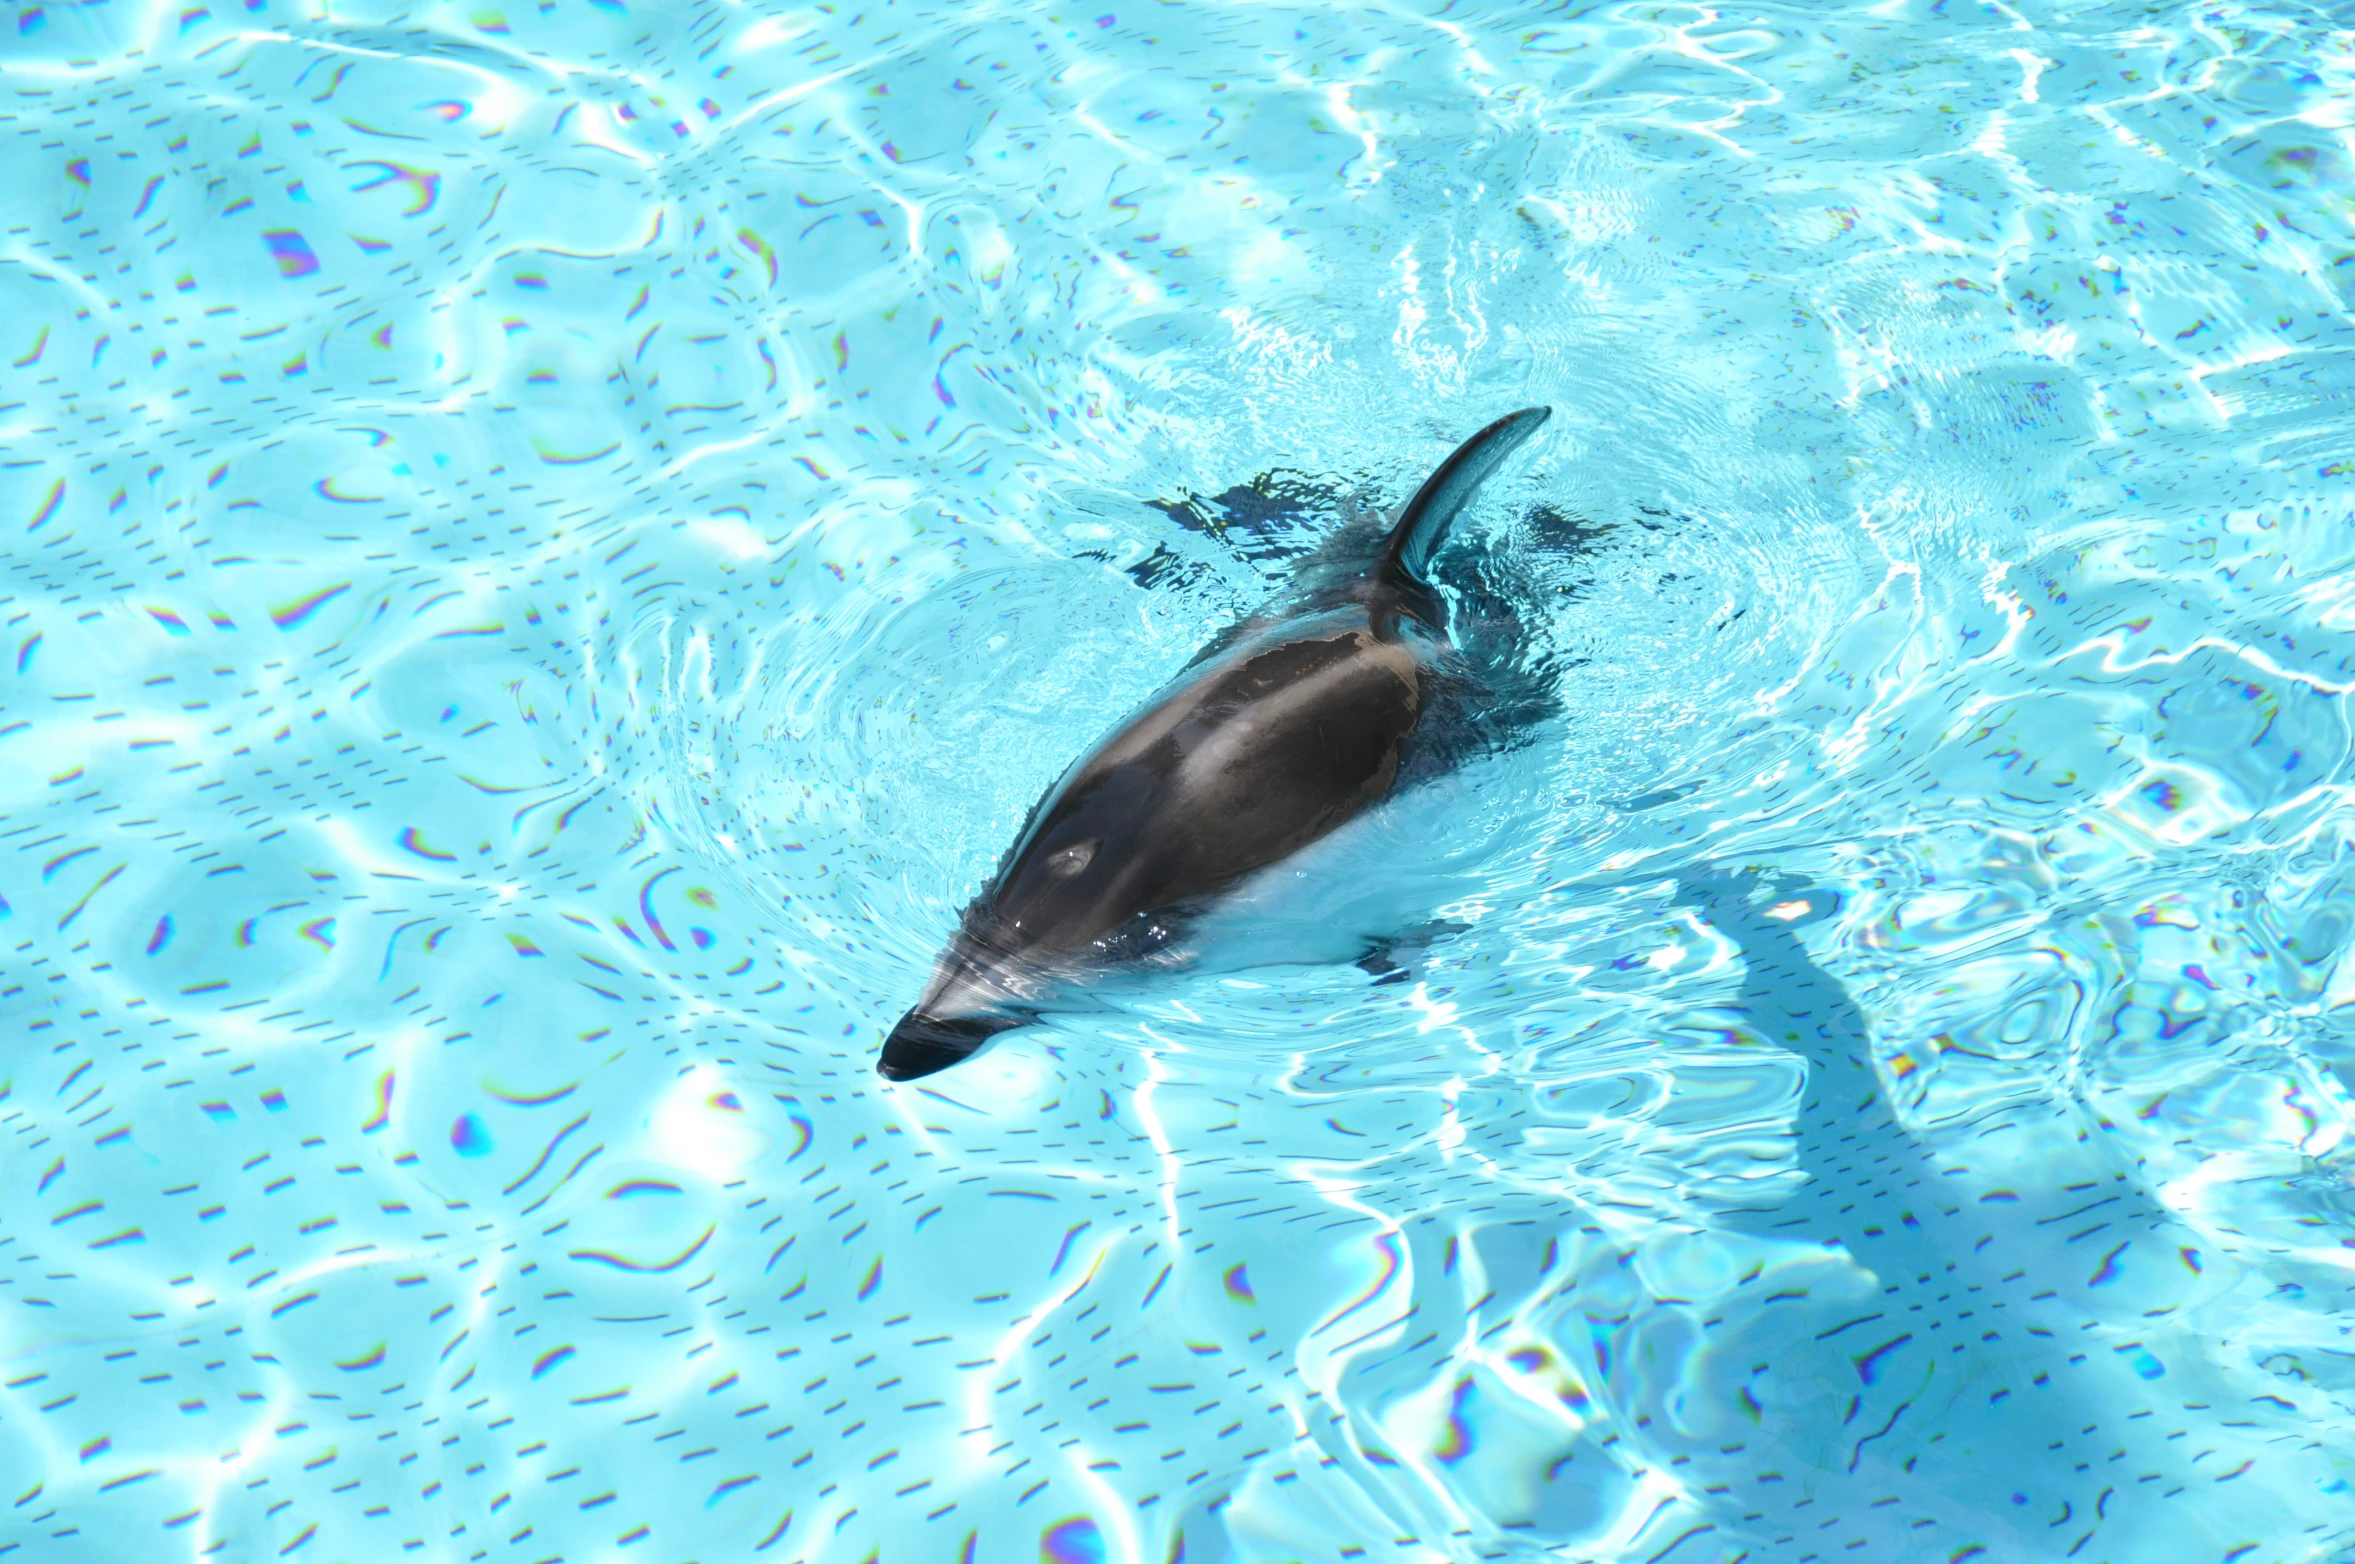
(1068, 861)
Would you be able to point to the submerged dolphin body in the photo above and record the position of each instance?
(1279, 731)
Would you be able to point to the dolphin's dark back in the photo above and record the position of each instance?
(1235, 768)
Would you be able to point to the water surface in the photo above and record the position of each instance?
(548, 549)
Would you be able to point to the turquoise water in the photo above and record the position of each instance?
(548, 548)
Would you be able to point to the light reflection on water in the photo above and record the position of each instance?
(554, 548)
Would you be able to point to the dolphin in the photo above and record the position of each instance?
(1283, 728)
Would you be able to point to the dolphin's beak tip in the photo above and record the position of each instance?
(896, 1065)
(900, 1062)
(923, 1045)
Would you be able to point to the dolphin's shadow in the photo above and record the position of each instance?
(1937, 1382)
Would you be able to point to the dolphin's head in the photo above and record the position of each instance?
(1058, 907)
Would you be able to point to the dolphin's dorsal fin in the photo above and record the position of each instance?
(1422, 525)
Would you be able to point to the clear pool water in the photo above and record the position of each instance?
(545, 550)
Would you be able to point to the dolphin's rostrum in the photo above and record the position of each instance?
(1278, 732)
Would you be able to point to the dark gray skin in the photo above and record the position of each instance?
(1280, 731)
